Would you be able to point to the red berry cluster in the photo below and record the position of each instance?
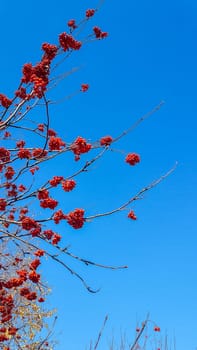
(132, 215)
(84, 87)
(38, 75)
(106, 141)
(90, 13)
(72, 24)
(99, 34)
(67, 42)
(56, 143)
(5, 101)
(80, 146)
(132, 158)
(76, 218)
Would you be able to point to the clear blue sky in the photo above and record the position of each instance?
(150, 55)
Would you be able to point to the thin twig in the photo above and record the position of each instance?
(101, 332)
(49, 334)
(134, 198)
(139, 121)
(132, 347)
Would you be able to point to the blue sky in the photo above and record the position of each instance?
(149, 56)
